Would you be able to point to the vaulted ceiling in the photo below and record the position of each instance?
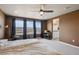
(31, 10)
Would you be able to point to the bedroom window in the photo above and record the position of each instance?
(19, 27)
(30, 29)
(26, 28)
(38, 27)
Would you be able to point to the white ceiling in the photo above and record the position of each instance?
(26, 10)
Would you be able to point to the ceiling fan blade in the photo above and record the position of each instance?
(33, 11)
(48, 11)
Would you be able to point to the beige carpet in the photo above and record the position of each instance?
(35, 48)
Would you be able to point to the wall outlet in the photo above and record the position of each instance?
(73, 40)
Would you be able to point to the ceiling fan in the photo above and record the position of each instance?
(42, 11)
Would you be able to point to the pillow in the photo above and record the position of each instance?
(3, 42)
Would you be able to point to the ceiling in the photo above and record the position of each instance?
(28, 10)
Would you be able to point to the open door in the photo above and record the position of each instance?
(56, 29)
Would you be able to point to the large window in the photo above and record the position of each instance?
(30, 29)
(38, 27)
(27, 28)
(19, 27)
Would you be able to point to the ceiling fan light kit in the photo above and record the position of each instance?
(42, 11)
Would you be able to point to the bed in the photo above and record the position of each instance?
(37, 47)
(26, 47)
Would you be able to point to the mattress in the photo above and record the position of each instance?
(26, 47)
(38, 47)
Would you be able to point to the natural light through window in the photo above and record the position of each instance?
(30, 29)
(19, 27)
(38, 27)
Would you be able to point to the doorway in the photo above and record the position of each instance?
(56, 29)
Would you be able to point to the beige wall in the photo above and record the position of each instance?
(49, 25)
(8, 22)
(69, 28)
(2, 25)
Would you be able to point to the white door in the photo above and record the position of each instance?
(56, 29)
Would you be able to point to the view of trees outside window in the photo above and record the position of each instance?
(19, 27)
(38, 27)
(30, 29)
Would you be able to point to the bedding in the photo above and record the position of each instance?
(26, 47)
(38, 47)
(3, 42)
